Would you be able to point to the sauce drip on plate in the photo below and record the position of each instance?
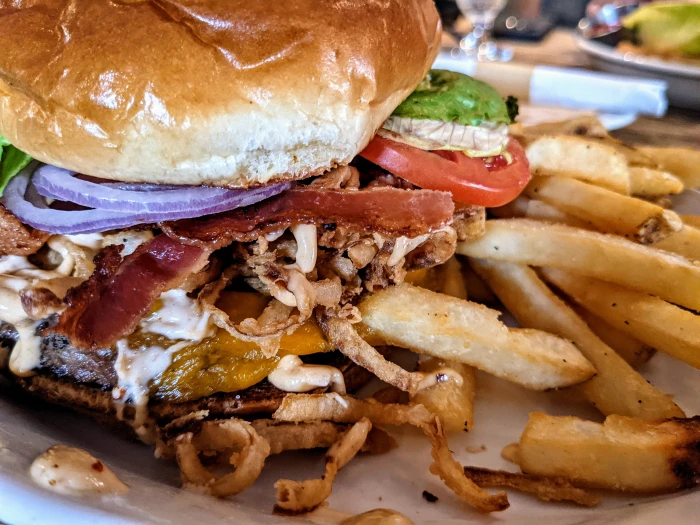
(74, 472)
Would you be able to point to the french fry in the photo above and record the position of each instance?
(477, 289)
(583, 126)
(662, 201)
(542, 211)
(633, 155)
(617, 388)
(691, 220)
(628, 347)
(664, 326)
(552, 488)
(684, 163)
(581, 159)
(451, 401)
(523, 207)
(606, 210)
(515, 208)
(649, 182)
(625, 454)
(591, 254)
(685, 242)
(450, 279)
(439, 326)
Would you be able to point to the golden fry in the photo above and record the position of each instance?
(623, 453)
(691, 220)
(617, 388)
(434, 324)
(628, 347)
(649, 182)
(579, 158)
(685, 242)
(607, 211)
(450, 279)
(664, 326)
(477, 289)
(451, 401)
(684, 163)
(591, 254)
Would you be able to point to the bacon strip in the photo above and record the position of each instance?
(109, 305)
(389, 211)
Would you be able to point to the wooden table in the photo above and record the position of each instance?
(680, 127)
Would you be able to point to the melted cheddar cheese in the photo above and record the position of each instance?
(223, 363)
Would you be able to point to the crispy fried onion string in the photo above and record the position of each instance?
(281, 435)
(284, 436)
(265, 331)
(344, 337)
(235, 437)
(347, 409)
(547, 488)
(298, 497)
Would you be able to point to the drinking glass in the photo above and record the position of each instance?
(479, 43)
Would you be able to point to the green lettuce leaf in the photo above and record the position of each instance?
(667, 27)
(12, 161)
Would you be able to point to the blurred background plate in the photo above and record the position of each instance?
(683, 79)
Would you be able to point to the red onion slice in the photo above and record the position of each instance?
(21, 200)
(57, 183)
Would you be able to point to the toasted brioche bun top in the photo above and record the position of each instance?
(221, 92)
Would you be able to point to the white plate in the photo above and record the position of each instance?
(394, 481)
(683, 79)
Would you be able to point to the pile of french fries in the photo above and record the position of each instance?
(591, 254)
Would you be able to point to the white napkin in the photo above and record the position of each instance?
(579, 88)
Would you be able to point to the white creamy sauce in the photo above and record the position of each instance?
(378, 517)
(26, 354)
(298, 293)
(304, 294)
(135, 369)
(18, 273)
(131, 240)
(74, 472)
(11, 309)
(339, 399)
(280, 293)
(273, 236)
(405, 245)
(440, 376)
(180, 317)
(12, 263)
(378, 240)
(292, 375)
(92, 241)
(307, 249)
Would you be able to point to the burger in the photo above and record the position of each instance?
(196, 195)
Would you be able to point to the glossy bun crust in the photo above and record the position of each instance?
(220, 92)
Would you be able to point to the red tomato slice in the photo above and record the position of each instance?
(469, 180)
